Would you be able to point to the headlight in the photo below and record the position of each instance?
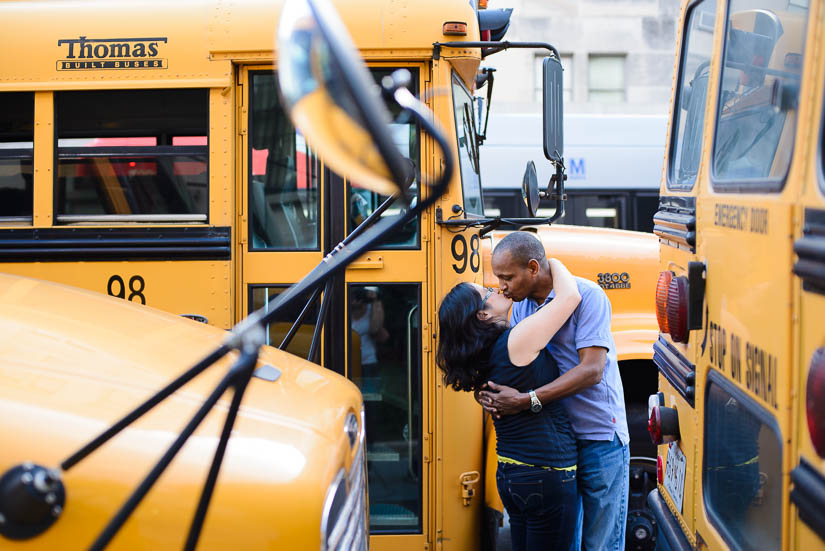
(351, 428)
(344, 524)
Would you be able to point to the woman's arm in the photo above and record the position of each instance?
(535, 331)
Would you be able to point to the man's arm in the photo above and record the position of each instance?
(503, 400)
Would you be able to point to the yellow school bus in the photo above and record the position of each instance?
(738, 416)
(145, 154)
(74, 362)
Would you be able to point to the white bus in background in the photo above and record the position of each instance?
(614, 167)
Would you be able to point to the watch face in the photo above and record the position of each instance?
(535, 404)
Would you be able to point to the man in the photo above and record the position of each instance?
(589, 386)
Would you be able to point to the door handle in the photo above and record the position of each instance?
(468, 480)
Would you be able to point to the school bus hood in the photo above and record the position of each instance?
(624, 263)
(73, 361)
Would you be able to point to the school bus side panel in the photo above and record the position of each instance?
(744, 353)
(807, 478)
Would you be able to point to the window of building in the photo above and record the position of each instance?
(606, 78)
(132, 155)
(16, 155)
(567, 79)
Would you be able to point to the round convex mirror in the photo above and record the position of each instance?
(530, 188)
(332, 99)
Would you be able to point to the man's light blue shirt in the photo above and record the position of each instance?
(597, 412)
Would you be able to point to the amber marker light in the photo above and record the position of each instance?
(661, 299)
(455, 28)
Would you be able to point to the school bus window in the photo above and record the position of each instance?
(16, 155)
(689, 110)
(465, 127)
(132, 155)
(743, 468)
(262, 295)
(363, 202)
(385, 363)
(762, 63)
(283, 177)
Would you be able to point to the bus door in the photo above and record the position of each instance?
(808, 468)
(280, 207)
(745, 212)
(294, 211)
(388, 336)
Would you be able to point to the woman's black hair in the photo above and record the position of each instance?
(464, 341)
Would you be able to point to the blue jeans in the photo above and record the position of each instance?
(603, 480)
(542, 504)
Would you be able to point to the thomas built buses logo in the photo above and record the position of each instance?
(111, 53)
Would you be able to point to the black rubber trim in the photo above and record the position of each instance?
(808, 495)
(675, 222)
(105, 244)
(668, 527)
(676, 369)
(810, 249)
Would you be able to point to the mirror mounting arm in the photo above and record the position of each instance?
(555, 191)
(490, 47)
(489, 78)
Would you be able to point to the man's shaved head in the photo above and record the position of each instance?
(523, 247)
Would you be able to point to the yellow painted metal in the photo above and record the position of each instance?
(44, 160)
(72, 362)
(180, 287)
(809, 307)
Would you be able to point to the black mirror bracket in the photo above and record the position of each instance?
(555, 190)
(490, 47)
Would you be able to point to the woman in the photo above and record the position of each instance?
(536, 474)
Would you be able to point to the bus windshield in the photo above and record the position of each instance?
(467, 148)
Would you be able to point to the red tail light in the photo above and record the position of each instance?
(660, 470)
(661, 299)
(815, 401)
(663, 425)
(677, 306)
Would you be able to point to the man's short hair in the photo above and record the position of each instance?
(523, 247)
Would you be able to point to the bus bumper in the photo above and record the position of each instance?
(670, 536)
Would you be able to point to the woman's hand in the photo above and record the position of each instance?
(533, 333)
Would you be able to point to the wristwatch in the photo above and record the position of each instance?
(535, 403)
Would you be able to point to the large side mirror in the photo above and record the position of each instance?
(530, 189)
(553, 110)
(332, 99)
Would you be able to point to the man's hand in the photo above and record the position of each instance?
(502, 400)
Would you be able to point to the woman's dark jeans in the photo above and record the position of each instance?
(542, 504)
